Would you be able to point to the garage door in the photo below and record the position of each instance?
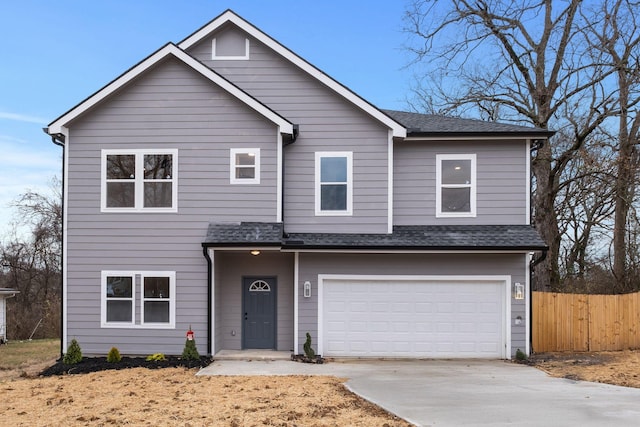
(413, 318)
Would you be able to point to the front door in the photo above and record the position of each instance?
(259, 312)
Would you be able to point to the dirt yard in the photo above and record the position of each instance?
(609, 367)
(176, 397)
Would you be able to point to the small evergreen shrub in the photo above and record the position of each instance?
(520, 356)
(308, 351)
(73, 354)
(114, 355)
(156, 357)
(190, 351)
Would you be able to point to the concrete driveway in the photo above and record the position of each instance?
(465, 392)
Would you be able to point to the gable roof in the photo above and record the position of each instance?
(167, 50)
(229, 16)
(410, 237)
(437, 125)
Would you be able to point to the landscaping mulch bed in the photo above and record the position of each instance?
(96, 364)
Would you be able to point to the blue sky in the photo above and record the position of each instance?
(56, 53)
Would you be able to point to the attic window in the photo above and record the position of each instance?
(230, 46)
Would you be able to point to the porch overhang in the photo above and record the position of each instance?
(468, 238)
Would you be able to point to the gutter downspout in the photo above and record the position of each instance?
(59, 140)
(294, 137)
(205, 251)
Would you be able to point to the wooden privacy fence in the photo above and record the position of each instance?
(577, 322)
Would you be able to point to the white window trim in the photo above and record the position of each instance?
(244, 57)
(233, 166)
(139, 180)
(472, 186)
(103, 300)
(138, 303)
(320, 155)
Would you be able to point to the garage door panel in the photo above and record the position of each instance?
(413, 318)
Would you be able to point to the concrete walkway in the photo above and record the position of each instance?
(464, 392)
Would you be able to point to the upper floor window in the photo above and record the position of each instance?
(139, 180)
(157, 292)
(334, 182)
(456, 185)
(245, 166)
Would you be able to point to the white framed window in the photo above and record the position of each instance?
(455, 185)
(334, 183)
(244, 166)
(118, 298)
(139, 181)
(138, 299)
(227, 47)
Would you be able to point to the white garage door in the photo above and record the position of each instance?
(439, 318)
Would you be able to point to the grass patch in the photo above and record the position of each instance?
(21, 354)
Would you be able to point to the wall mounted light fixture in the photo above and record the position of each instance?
(518, 291)
(307, 289)
(255, 252)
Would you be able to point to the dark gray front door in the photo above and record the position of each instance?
(259, 312)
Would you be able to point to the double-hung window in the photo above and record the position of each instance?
(334, 183)
(456, 185)
(245, 166)
(143, 299)
(139, 180)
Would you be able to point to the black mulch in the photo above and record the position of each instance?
(95, 364)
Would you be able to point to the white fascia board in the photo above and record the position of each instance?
(398, 130)
(171, 49)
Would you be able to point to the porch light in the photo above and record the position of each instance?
(518, 291)
(307, 289)
(255, 252)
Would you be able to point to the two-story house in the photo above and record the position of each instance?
(226, 184)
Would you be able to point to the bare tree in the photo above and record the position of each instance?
(613, 32)
(524, 63)
(32, 261)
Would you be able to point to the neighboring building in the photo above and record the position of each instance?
(5, 293)
(225, 184)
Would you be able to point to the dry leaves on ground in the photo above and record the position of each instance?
(175, 396)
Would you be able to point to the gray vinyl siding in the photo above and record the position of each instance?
(501, 182)
(313, 264)
(169, 107)
(233, 267)
(327, 123)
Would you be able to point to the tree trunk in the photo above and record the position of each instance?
(623, 193)
(546, 273)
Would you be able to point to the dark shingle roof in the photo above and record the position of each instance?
(435, 125)
(244, 234)
(428, 237)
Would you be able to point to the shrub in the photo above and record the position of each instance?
(156, 357)
(114, 355)
(73, 354)
(520, 356)
(190, 351)
(308, 351)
